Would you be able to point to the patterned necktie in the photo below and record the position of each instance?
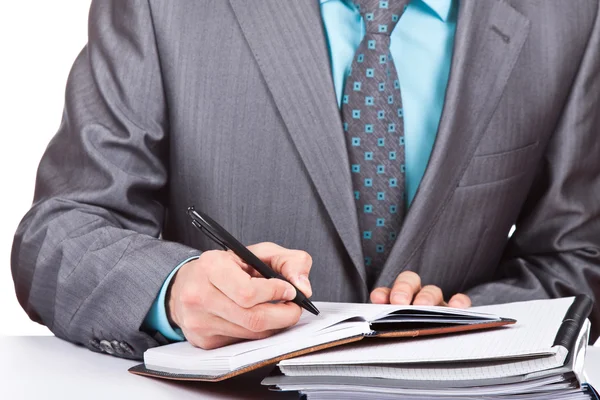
(374, 130)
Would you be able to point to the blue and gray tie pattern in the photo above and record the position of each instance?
(374, 130)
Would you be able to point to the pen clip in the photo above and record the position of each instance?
(195, 217)
(210, 235)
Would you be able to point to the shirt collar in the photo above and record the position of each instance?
(441, 8)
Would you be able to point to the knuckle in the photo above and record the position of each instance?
(403, 287)
(304, 257)
(435, 290)
(211, 256)
(190, 299)
(425, 296)
(255, 321)
(245, 296)
(277, 260)
(216, 258)
(276, 290)
(230, 257)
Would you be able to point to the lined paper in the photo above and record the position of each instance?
(533, 334)
(434, 372)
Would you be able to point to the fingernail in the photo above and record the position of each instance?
(289, 294)
(400, 298)
(302, 283)
(458, 304)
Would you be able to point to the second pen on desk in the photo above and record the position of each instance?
(224, 239)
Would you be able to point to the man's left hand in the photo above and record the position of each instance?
(407, 290)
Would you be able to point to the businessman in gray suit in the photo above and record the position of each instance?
(374, 152)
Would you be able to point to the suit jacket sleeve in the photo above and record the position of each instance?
(555, 250)
(86, 259)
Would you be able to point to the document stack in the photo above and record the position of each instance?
(541, 356)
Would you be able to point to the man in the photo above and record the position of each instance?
(394, 148)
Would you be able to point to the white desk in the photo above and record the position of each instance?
(45, 367)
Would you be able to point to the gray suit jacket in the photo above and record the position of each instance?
(222, 105)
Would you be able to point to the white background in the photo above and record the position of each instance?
(39, 40)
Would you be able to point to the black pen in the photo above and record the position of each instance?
(224, 239)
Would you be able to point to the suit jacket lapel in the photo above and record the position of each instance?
(288, 41)
(489, 38)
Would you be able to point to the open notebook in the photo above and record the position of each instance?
(338, 323)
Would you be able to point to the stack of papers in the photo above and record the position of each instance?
(539, 357)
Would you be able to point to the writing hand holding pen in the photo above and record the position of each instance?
(218, 299)
(219, 235)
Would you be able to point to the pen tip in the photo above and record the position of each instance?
(310, 307)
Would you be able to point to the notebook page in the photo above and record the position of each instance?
(378, 386)
(373, 312)
(346, 394)
(434, 372)
(367, 311)
(533, 334)
(184, 356)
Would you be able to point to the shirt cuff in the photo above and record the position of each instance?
(156, 319)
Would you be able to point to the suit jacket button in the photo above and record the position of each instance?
(107, 347)
(126, 348)
(93, 343)
(116, 347)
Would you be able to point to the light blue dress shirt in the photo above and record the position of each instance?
(421, 46)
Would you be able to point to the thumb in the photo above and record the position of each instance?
(294, 265)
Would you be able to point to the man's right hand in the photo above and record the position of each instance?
(217, 299)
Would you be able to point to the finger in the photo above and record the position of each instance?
(250, 271)
(268, 316)
(247, 291)
(294, 265)
(407, 284)
(429, 296)
(262, 317)
(245, 267)
(206, 326)
(381, 295)
(460, 300)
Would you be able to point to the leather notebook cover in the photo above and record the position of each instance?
(404, 333)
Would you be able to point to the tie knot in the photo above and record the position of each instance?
(381, 16)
